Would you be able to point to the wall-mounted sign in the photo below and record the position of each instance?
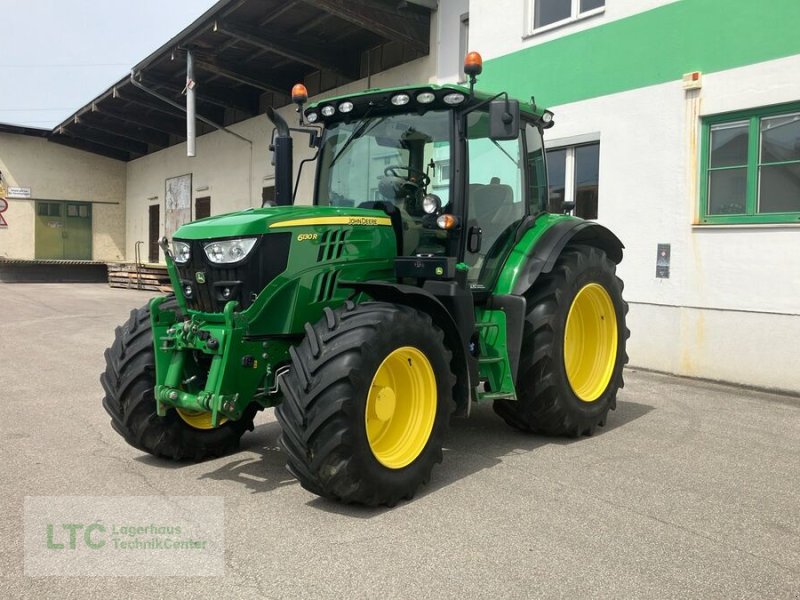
(3, 208)
(18, 192)
(178, 203)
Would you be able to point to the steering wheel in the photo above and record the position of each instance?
(423, 182)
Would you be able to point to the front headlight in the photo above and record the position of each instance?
(229, 251)
(181, 252)
(431, 204)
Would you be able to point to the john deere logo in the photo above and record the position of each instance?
(200, 277)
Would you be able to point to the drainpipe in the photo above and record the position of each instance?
(201, 118)
(190, 105)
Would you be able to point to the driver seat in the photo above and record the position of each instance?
(489, 205)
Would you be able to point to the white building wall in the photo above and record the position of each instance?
(449, 59)
(57, 172)
(730, 308)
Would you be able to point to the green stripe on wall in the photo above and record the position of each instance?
(649, 48)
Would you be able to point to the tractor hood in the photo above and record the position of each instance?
(256, 221)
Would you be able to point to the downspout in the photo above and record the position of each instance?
(203, 119)
(190, 105)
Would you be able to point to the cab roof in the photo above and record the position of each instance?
(381, 98)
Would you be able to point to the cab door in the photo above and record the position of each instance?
(496, 200)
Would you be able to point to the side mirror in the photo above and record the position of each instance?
(504, 119)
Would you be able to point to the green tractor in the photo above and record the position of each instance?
(429, 273)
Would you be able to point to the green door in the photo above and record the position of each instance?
(63, 230)
(78, 231)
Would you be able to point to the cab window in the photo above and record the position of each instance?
(495, 199)
(537, 178)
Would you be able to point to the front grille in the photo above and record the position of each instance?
(241, 282)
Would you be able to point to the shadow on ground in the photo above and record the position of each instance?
(474, 444)
(262, 473)
(480, 442)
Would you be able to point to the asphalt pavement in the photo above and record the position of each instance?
(692, 490)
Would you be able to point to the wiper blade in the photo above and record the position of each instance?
(363, 127)
(503, 150)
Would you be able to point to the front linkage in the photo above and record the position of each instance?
(207, 364)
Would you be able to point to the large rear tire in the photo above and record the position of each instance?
(366, 403)
(573, 348)
(129, 382)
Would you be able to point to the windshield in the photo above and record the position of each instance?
(391, 163)
(357, 157)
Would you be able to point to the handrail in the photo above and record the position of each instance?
(138, 259)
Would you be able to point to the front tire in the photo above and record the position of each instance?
(129, 382)
(573, 348)
(366, 403)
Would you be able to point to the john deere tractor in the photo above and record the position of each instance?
(431, 271)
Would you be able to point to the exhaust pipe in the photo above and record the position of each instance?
(281, 158)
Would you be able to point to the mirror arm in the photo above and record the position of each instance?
(484, 103)
(314, 134)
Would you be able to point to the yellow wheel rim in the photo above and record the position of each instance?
(198, 419)
(401, 407)
(590, 342)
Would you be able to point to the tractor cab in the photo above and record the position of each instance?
(457, 172)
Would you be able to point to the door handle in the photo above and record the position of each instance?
(474, 237)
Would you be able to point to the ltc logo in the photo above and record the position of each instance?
(200, 277)
(74, 538)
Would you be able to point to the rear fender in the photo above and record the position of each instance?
(542, 255)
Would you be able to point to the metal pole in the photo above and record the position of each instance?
(190, 105)
(200, 118)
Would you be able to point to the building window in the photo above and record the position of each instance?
(547, 14)
(440, 177)
(751, 167)
(202, 207)
(268, 194)
(573, 175)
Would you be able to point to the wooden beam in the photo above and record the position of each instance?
(92, 147)
(134, 96)
(233, 7)
(317, 56)
(274, 15)
(311, 23)
(162, 124)
(407, 26)
(209, 94)
(227, 71)
(154, 122)
(137, 134)
(76, 130)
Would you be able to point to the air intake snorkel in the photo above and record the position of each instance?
(281, 158)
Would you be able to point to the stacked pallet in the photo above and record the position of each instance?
(139, 277)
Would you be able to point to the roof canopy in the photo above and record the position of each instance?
(247, 55)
